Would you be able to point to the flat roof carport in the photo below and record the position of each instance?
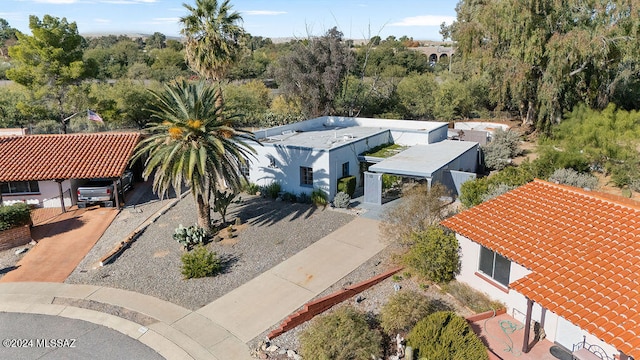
(423, 160)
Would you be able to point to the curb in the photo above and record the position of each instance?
(133, 236)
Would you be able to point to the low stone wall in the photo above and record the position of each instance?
(15, 237)
(313, 308)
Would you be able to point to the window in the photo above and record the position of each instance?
(306, 176)
(495, 266)
(345, 169)
(244, 168)
(19, 187)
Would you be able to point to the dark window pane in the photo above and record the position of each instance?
(4, 187)
(486, 261)
(33, 186)
(502, 270)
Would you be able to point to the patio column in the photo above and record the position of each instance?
(116, 193)
(61, 195)
(527, 327)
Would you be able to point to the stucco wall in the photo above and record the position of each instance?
(47, 197)
(516, 303)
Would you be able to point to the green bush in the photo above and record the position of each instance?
(319, 197)
(434, 254)
(403, 310)
(444, 335)
(289, 197)
(347, 185)
(471, 298)
(15, 215)
(189, 236)
(251, 188)
(272, 190)
(388, 181)
(200, 263)
(341, 335)
(341, 200)
(304, 198)
(574, 178)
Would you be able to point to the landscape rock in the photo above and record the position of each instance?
(273, 348)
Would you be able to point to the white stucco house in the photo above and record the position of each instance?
(566, 258)
(314, 154)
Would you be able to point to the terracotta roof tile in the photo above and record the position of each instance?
(68, 156)
(583, 250)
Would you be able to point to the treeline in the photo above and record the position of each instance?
(271, 83)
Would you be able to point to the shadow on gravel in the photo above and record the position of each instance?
(259, 211)
(226, 263)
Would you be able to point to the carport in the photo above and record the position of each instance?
(448, 162)
(62, 158)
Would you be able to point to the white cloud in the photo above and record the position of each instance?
(424, 20)
(57, 2)
(128, 2)
(263, 12)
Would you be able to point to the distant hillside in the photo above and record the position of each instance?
(130, 35)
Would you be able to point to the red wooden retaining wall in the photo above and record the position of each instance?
(316, 307)
(17, 236)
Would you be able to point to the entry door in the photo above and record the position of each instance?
(568, 334)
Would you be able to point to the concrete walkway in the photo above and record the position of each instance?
(221, 329)
(62, 244)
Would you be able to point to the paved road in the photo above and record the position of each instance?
(88, 340)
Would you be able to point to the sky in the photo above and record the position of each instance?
(357, 19)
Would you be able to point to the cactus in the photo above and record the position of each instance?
(189, 236)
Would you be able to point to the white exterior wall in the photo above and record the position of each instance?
(326, 164)
(517, 303)
(47, 197)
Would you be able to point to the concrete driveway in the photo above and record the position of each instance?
(62, 243)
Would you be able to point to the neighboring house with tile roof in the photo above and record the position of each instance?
(316, 153)
(564, 257)
(38, 169)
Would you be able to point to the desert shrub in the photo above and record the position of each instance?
(251, 188)
(289, 197)
(496, 190)
(304, 198)
(434, 254)
(200, 263)
(472, 191)
(635, 185)
(15, 215)
(341, 200)
(347, 184)
(272, 190)
(504, 146)
(319, 197)
(388, 181)
(341, 335)
(403, 310)
(189, 236)
(444, 335)
(574, 178)
(419, 208)
(471, 298)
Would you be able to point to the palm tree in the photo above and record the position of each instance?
(190, 143)
(213, 38)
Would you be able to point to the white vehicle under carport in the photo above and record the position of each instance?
(101, 191)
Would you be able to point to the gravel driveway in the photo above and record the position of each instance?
(275, 230)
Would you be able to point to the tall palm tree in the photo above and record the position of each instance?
(214, 37)
(190, 143)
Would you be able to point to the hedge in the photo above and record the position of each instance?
(347, 185)
(15, 215)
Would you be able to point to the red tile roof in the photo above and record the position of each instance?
(69, 156)
(582, 247)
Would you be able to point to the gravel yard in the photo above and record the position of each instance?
(274, 231)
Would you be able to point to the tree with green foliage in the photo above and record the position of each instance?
(607, 140)
(545, 56)
(7, 37)
(49, 63)
(213, 38)
(445, 335)
(313, 72)
(191, 143)
(416, 94)
(504, 146)
(434, 254)
(156, 41)
(342, 335)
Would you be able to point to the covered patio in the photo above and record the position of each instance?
(503, 336)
